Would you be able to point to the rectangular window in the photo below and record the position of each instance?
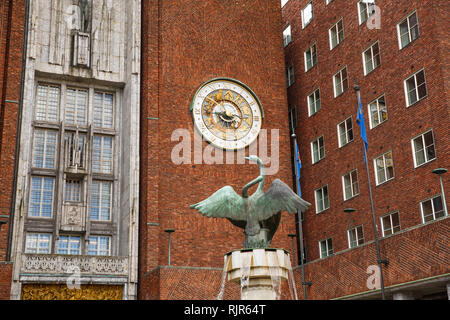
(307, 14)
(340, 82)
(384, 168)
(355, 237)
(365, 9)
(103, 110)
(310, 57)
(76, 107)
(287, 36)
(290, 76)
(322, 202)
(350, 184)
(38, 243)
(101, 201)
(69, 245)
(293, 118)
(41, 197)
(371, 58)
(390, 224)
(345, 132)
(99, 246)
(317, 150)
(314, 102)
(73, 191)
(423, 148)
(44, 149)
(336, 33)
(415, 88)
(408, 30)
(432, 209)
(102, 154)
(326, 248)
(377, 112)
(47, 103)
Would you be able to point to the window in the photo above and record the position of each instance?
(350, 184)
(293, 118)
(76, 107)
(423, 148)
(326, 248)
(99, 246)
(408, 30)
(345, 132)
(322, 202)
(340, 82)
(103, 110)
(371, 58)
(44, 149)
(336, 33)
(287, 36)
(47, 103)
(317, 150)
(307, 14)
(384, 168)
(290, 76)
(73, 191)
(328, 1)
(310, 57)
(283, 2)
(69, 245)
(38, 243)
(102, 154)
(432, 209)
(41, 197)
(314, 102)
(390, 224)
(355, 237)
(101, 200)
(377, 112)
(415, 88)
(365, 10)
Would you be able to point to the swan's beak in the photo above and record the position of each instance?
(247, 158)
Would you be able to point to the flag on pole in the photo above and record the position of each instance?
(360, 121)
(298, 166)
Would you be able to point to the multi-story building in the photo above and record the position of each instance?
(396, 51)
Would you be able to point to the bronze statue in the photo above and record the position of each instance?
(259, 214)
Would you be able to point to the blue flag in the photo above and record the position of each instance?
(298, 166)
(360, 121)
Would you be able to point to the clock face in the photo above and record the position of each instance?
(227, 114)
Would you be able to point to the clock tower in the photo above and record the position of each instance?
(214, 70)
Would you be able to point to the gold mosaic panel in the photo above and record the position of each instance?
(62, 292)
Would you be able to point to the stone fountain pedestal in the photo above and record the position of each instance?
(259, 272)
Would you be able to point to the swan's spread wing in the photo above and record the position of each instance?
(224, 203)
(279, 198)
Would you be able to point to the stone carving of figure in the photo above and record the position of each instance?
(85, 15)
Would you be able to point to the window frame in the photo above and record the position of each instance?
(416, 88)
(70, 239)
(366, 9)
(392, 228)
(304, 25)
(425, 154)
(39, 234)
(378, 183)
(290, 75)
(432, 208)
(341, 82)
(287, 36)
(352, 184)
(372, 58)
(338, 41)
(314, 94)
(318, 148)
(313, 61)
(316, 199)
(98, 238)
(371, 120)
(358, 237)
(347, 130)
(409, 30)
(329, 248)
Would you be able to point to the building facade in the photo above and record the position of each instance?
(101, 154)
(395, 51)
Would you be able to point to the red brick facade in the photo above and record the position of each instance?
(185, 44)
(345, 274)
(12, 17)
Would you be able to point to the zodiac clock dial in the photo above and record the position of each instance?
(227, 114)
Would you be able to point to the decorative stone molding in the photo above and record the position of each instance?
(60, 264)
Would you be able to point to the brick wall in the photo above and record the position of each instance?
(11, 38)
(410, 185)
(185, 44)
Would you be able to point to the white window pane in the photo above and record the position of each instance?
(100, 208)
(47, 103)
(76, 107)
(102, 155)
(103, 110)
(41, 197)
(44, 149)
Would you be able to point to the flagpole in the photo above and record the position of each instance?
(374, 223)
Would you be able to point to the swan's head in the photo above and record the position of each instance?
(255, 159)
